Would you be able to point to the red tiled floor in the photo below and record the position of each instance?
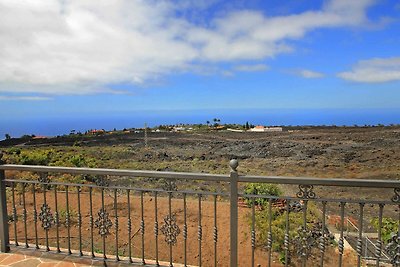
(26, 258)
(20, 257)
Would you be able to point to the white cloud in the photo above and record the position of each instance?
(251, 68)
(82, 46)
(376, 70)
(309, 74)
(25, 98)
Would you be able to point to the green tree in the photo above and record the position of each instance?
(7, 136)
(216, 122)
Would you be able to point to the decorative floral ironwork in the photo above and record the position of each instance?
(44, 178)
(169, 185)
(170, 229)
(304, 241)
(101, 181)
(393, 249)
(306, 191)
(309, 238)
(296, 206)
(103, 222)
(396, 197)
(46, 217)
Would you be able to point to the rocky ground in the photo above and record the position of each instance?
(325, 152)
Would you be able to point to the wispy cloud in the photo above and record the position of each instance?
(376, 70)
(251, 68)
(309, 74)
(24, 98)
(78, 47)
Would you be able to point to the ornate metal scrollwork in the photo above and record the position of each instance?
(169, 185)
(393, 248)
(304, 242)
(44, 178)
(46, 217)
(185, 231)
(396, 197)
(13, 217)
(215, 235)
(103, 222)
(101, 181)
(269, 240)
(309, 238)
(306, 191)
(170, 229)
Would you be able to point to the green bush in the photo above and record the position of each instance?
(78, 160)
(278, 229)
(14, 150)
(389, 226)
(260, 189)
(35, 157)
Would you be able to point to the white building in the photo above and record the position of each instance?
(261, 128)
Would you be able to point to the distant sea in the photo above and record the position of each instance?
(52, 125)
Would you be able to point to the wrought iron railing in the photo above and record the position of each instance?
(165, 224)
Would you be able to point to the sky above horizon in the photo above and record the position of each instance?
(61, 58)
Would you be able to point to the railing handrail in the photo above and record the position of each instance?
(117, 172)
(210, 177)
(305, 185)
(320, 181)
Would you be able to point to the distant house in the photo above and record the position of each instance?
(179, 129)
(260, 128)
(96, 132)
(219, 127)
(273, 129)
(39, 137)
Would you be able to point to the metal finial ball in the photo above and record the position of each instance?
(234, 164)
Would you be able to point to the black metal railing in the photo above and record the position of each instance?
(165, 224)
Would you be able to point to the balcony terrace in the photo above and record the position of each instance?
(108, 219)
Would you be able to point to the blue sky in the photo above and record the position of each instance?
(79, 58)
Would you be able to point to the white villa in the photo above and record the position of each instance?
(261, 128)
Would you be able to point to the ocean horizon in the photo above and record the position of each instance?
(53, 126)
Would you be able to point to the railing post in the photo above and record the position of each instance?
(5, 241)
(234, 213)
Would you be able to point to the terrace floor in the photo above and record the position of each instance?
(34, 258)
